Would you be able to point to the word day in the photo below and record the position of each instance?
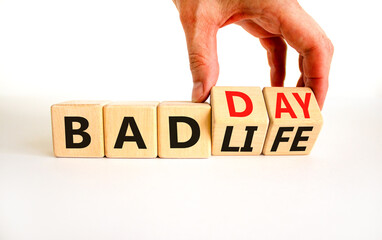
(239, 121)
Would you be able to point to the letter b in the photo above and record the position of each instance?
(77, 129)
(70, 132)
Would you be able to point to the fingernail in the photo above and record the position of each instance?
(197, 91)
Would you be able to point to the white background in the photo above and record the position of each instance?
(52, 51)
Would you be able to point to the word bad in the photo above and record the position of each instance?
(239, 121)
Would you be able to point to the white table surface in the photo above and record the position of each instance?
(334, 193)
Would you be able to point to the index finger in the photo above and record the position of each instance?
(305, 35)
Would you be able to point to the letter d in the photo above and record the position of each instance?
(231, 106)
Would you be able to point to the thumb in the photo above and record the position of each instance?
(202, 52)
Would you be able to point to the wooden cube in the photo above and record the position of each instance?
(130, 129)
(295, 121)
(77, 128)
(184, 130)
(239, 120)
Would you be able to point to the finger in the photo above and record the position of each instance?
(202, 52)
(300, 82)
(276, 52)
(304, 34)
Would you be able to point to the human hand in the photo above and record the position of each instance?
(274, 22)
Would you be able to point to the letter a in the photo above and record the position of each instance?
(287, 109)
(137, 137)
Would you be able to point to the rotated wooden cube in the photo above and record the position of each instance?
(184, 130)
(77, 128)
(295, 120)
(239, 120)
(130, 129)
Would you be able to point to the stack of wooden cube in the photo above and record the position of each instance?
(239, 121)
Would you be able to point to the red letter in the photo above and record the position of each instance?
(279, 109)
(305, 105)
(231, 107)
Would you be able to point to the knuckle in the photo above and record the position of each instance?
(330, 46)
(323, 46)
(197, 61)
(192, 13)
(327, 46)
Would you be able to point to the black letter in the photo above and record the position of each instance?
(69, 132)
(226, 140)
(195, 132)
(298, 138)
(248, 140)
(137, 137)
(279, 137)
